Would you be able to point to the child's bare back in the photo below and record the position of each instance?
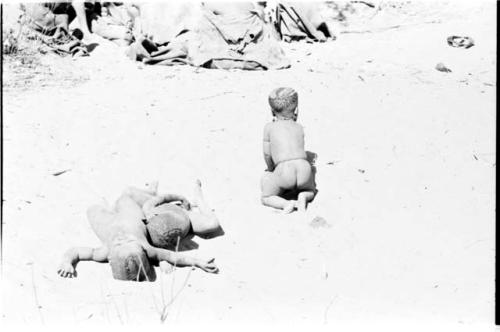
(286, 140)
(285, 156)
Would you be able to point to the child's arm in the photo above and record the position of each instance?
(266, 147)
(67, 268)
(162, 199)
(179, 259)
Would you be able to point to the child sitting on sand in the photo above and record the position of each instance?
(287, 166)
(125, 231)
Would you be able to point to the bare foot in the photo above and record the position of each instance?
(302, 202)
(290, 207)
(197, 193)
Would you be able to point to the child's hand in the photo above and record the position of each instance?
(185, 204)
(66, 270)
(166, 267)
(208, 266)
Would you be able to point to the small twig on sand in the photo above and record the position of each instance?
(325, 315)
(105, 303)
(117, 310)
(397, 26)
(38, 306)
(125, 305)
(220, 129)
(369, 4)
(61, 172)
(165, 312)
(216, 95)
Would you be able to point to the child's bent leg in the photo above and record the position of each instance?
(203, 222)
(306, 184)
(140, 196)
(270, 192)
(279, 203)
(303, 198)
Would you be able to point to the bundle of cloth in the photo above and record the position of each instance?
(55, 23)
(113, 21)
(51, 23)
(309, 21)
(222, 35)
(209, 35)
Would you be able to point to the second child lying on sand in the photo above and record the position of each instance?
(124, 236)
(287, 166)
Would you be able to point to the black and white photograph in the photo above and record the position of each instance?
(231, 164)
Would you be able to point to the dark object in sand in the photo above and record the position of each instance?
(78, 34)
(60, 172)
(318, 222)
(169, 225)
(369, 4)
(460, 42)
(441, 67)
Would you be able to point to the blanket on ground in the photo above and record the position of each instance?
(223, 36)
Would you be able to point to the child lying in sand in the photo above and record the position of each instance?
(125, 242)
(284, 154)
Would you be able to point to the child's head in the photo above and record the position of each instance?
(284, 102)
(168, 224)
(129, 261)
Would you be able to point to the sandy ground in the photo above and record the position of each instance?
(406, 169)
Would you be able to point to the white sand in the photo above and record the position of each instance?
(410, 239)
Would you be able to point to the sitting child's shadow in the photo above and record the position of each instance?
(311, 158)
(187, 243)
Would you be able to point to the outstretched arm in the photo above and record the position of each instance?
(179, 259)
(67, 268)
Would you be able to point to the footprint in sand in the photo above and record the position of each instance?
(319, 222)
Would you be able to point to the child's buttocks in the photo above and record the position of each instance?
(293, 173)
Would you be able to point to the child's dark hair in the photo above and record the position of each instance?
(283, 100)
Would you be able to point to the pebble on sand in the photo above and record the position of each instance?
(441, 67)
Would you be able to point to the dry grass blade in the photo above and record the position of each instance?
(173, 297)
(35, 295)
(164, 314)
